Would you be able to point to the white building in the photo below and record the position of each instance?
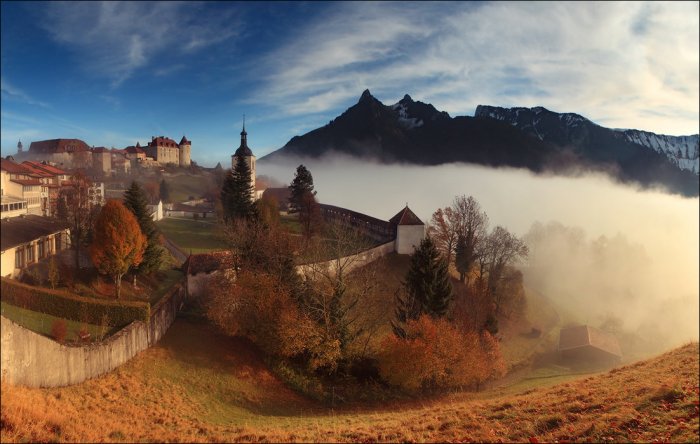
(410, 231)
(28, 239)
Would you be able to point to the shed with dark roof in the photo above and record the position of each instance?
(586, 343)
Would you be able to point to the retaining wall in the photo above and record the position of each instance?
(33, 360)
(349, 263)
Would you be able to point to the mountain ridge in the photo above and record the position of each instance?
(534, 138)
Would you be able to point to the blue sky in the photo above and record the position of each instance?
(116, 73)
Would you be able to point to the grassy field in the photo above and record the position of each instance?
(41, 323)
(196, 385)
(183, 186)
(192, 235)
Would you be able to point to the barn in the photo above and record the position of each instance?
(584, 343)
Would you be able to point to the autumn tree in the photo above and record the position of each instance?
(118, 242)
(443, 229)
(309, 215)
(458, 231)
(74, 208)
(301, 186)
(434, 354)
(427, 286)
(135, 201)
(237, 192)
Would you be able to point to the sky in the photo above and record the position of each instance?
(114, 73)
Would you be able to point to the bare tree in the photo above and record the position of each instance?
(502, 249)
(443, 229)
(472, 224)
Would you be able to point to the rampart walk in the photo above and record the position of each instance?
(33, 360)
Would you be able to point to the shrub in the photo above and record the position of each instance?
(59, 330)
(435, 354)
(70, 306)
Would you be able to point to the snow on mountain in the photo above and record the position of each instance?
(404, 118)
(680, 150)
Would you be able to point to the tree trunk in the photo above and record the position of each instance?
(118, 285)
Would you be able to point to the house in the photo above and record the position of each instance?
(203, 211)
(22, 183)
(586, 343)
(69, 153)
(28, 239)
(156, 210)
(200, 268)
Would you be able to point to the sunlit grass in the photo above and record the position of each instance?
(190, 235)
(196, 385)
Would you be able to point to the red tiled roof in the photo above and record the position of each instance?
(13, 167)
(58, 146)
(208, 262)
(27, 181)
(99, 149)
(134, 150)
(46, 167)
(36, 171)
(163, 141)
(405, 217)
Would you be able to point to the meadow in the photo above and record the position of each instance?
(197, 385)
(190, 235)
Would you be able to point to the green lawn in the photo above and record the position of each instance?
(197, 236)
(41, 323)
(182, 186)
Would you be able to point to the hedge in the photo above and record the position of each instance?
(70, 306)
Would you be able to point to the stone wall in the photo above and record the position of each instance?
(33, 360)
(349, 263)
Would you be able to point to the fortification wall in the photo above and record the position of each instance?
(33, 360)
(349, 263)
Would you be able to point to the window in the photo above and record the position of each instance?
(42, 249)
(30, 253)
(18, 258)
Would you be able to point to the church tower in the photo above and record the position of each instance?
(247, 154)
(20, 148)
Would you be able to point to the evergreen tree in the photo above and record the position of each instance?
(237, 192)
(427, 280)
(303, 184)
(136, 202)
(164, 191)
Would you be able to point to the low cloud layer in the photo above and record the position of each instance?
(644, 270)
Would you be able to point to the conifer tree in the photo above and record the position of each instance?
(136, 202)
(302, 185)
(164, 190)
(237, 192)
(427, 280)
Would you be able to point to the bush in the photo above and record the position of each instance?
(69, 306)
(436, 355)
(59, 330)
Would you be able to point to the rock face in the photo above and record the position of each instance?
(535, 138)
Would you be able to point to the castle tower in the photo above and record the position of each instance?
(246, 153)
(185, 147)
(20, 147)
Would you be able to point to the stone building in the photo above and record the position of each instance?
(27, 239)
(67, 153)
(410, 230)
(165, 150)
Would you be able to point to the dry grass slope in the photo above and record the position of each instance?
(198, 386)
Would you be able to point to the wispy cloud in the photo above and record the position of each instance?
(116, 39)
(10, 92)
(608, 60)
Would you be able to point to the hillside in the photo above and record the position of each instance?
(197, 385)
(534, 138)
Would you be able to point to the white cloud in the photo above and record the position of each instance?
(612, 62)
(116, 39)
(10, 92)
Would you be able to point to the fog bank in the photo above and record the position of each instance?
(654, 235)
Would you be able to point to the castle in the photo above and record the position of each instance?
(75, 153)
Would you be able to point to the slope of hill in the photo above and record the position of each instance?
(196, 385)
(537, 139)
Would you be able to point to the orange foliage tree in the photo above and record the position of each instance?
(118, 242)
(259, 306)
(435, 354)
